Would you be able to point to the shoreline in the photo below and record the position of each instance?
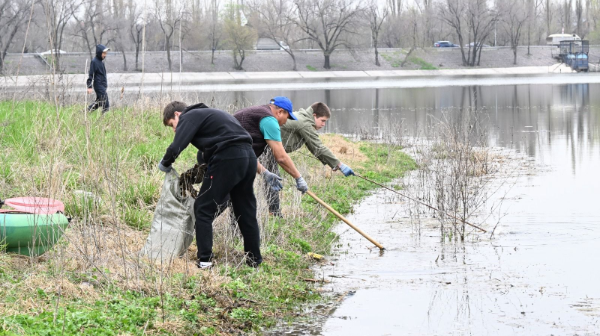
(307, 80)
(117, 167)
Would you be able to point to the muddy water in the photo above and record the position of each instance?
(540, 275)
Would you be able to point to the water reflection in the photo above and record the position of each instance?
(538, 275)
(527, 118)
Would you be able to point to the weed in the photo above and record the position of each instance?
(423, 65)
(395, 58)
(94, 282)
(311, 68)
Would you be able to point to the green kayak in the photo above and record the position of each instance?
(31, 234)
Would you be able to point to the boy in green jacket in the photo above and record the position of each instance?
(295, 134)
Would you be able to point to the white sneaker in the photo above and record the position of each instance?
(204, 265)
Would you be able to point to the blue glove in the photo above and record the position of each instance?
(163, 168)
(346, 170)
(301, 185)
(273, 180)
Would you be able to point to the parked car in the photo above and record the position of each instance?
(445, 44)
(472, 45)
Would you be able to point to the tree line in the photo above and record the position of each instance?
(135, 26)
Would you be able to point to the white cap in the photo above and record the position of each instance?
(106, 49)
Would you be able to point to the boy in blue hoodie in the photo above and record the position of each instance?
(97, 80)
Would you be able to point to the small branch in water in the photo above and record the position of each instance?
(317, 280)
(420, 202)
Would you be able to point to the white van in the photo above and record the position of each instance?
(555, 39)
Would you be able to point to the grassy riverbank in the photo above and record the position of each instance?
(104, 169)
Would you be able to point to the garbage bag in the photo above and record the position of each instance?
(172, 229)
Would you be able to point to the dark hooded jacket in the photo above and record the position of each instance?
(97, 74)
(210, 130)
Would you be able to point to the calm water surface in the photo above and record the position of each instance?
(539, 276)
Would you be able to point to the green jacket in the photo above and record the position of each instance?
(296, 133)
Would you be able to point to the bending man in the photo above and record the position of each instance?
(232, 165)
(263, 124)
(303, 131)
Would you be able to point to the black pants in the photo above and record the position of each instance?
(231, 172)
(101, 101)
(269, 162)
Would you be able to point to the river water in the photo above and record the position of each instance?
(540, 275)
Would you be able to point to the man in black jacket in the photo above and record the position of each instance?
(97, 80)
(227, 149)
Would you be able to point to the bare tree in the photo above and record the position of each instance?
(426, 7)
(376, 16)
(94, 25)
(473, 18)
(395, 7)
(136, 28)
(480, 20)
(12, 15)
(514, 16)
(392, 31)
(168, 21)
(215, 29)
(453, 13)
(327, 23)
(121, 39)
(277, 23)
(240, 36)
(588, 10)
(568, 12)
(533, 12)
(413, 28)
(57, 14)
(594, 12)
(580, 19)
(548, 16)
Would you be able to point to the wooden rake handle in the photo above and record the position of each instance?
(338, 215)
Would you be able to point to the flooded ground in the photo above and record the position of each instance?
(539, 275)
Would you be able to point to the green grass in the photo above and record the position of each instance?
(104, 167)
(311, 68)
(396, 58)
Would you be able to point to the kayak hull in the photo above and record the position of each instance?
(31, 234)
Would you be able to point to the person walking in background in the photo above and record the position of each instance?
(97, 80)
(303, 131)
(227, 149)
